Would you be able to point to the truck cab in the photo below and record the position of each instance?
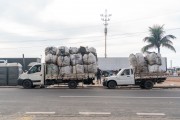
(123, 77)
(33, 77)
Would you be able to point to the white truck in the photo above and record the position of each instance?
(37, 76)
(146, 71)
(127, 76)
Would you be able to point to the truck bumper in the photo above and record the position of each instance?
(105, 83)
(19, 81)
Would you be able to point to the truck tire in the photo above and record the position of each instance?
(148, 84)
(42, 86)
(34, 86)
(27, 84)
(111, 85)
(72, 84)
(142, 86)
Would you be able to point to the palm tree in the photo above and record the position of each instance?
(157, 39)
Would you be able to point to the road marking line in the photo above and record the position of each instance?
(25, 118)
(151, 114)
(94, 113)
(119, 97)
(42, 113)
(82, 96)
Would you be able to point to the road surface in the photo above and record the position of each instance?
(89, 103)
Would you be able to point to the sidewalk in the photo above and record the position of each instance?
(8, 86)
(171, 82)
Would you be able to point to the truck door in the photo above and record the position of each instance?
(126, 77)
(35, 74)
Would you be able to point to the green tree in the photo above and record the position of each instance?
(157, 39)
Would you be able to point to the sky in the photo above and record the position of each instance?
(29, 26)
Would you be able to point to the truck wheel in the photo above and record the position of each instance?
(27, 84)
(148, 85)
(72, 84)
(142, 86)
(112, 85)
(34, 86)
(42, 86)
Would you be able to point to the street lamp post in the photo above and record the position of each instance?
(105, 18)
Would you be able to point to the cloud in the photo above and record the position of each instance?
(29, 26)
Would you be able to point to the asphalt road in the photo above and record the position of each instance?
(89, 103)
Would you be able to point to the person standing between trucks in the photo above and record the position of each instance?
(99, 73)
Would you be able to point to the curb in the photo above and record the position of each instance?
(9, 86)
(91, 86)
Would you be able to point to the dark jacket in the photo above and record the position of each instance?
(99, 72)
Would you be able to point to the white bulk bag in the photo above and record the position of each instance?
(92, 68)
(63, 61)
(140, 59)
(50, 50)
(65, 70)
(89, 59)
(133, 60)
(154, 68)
(138, 62)
(144, 69)
(62, 51)
(76, 59)
(92, 50)
(49, 58)
(52, 70)
(73, 50)
(141, 69)
(78, 69)
(151, 58)
(158, 59)
(154, 58)
(83, 50)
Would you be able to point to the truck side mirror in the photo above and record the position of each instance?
(122, 74)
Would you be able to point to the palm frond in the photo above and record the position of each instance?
(146, 39)
(149, 40)
(169, 46)
(147, 47)
(166, 41)
(169, 37)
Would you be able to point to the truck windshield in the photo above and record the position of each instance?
(124, 72)
(119, 73)
(34, 69)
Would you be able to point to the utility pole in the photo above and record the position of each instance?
(105, 18)
(24, 67)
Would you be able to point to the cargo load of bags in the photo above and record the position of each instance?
(151, 62)
(71, 60)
